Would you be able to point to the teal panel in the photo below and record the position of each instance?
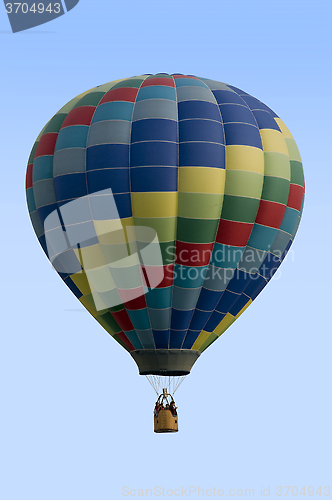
(189, 277)
(42, 168)
(72, 137)
(226, 256)
(262, 237)
(290, 220)
(113, 111)
(159, 298)
(140, 319)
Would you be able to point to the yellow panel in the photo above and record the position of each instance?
(283, 128)
(155, 204)
(243, 308)
(225, 323)
(91, 257)
(81, 282)
(202, 337)
(201, 180)
(111, 232)
(86, 303)
(273, 140)
(244, 158)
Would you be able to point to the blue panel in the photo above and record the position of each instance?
(159, 298)
(239, 281)
(190, 339)
(109, 207)
(161, 338)
(189, 82)
(72, 137)
(176, 339)
(42, 168)
(154, 129)
(133, 338)
(290, 220)
(42, 242)
(237, 90)
(199, 320)
(255, 287)
(116, 179)
(70, 186)
(226, 96)
(201, 130)
(198, 109)
(113, 111)
(237, 113)
(215, 319)
(181, 319)
(139, 318)
(189, 277)
(156, 92)
(208, 300)
(46, 210)
(152, 179)
(154, 153)
(265, 120)
(242, 134)
(227, 300)
(239, 304)
(202, 154)
(254, 103)
(107, 156)
(262, 237)
(286, 250)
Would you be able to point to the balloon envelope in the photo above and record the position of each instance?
(166, 203)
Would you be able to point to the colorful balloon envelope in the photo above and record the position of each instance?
(166, 203)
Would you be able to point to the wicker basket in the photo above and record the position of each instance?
(165, 422)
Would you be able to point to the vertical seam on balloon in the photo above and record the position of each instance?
(141, 270)
(222, 291)
(207, 267)
(86, 181)
(177, 208)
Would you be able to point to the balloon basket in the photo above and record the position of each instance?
(165, 422)
(165, 414)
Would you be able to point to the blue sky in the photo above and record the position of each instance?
(76, 419)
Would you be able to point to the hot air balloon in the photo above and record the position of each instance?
(165, 203)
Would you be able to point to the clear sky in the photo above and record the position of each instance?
(76, 418)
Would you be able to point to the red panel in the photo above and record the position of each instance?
(123, 320)
(126, 342)
(295, 196)
(28, 179)
(270, 213)
(79, 116)
(185, 76)
(46, 144)
(134, 298)
(168, 275)
(169, 82)
(122, 94)
(233, 233)
(193, 254)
